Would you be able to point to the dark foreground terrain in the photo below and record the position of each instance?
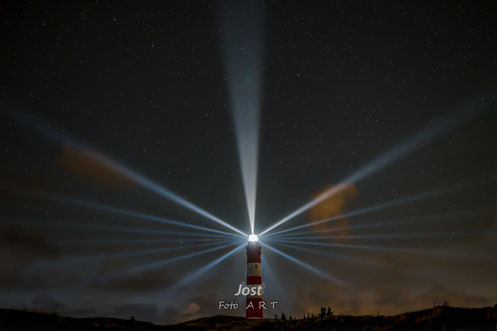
(437, 318)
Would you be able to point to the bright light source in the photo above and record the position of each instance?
(253, 237)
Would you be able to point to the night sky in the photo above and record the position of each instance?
(400, 92)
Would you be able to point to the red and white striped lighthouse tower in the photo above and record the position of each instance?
(254, 279)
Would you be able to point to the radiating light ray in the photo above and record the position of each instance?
(381, 224)
(409, 199)
(274, 286)
(381, 236)
(315, 270)
(241, 30)
(110, 228)
(69, 261)
(121, 211)
(375, 248)
(295, 228)
(199, 272)
(132, 229)
(175, 259)
(50, 133)
(160, 190)
(96, 242)
(97, 227)
(330, 254)
(129, 253)
(358, 261)
(269, 276)
(429, 132)
(162, 220)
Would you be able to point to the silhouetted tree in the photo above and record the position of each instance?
(275, 316)
(132, 319)
(323, 312)
(329, 312)
(283, 317)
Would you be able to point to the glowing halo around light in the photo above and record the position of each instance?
(253, 238)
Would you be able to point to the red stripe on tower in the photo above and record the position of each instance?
(254, 280)
(253, 308)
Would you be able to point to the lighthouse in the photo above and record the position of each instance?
(254, 279)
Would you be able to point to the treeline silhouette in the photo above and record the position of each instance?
(324, 312)
(436, 318)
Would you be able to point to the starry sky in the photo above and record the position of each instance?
(343, 87)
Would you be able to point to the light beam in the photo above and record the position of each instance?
(380, 236)
(381, 224)
(64, 261)
(96, 242)
(121, 211)
(175, 259)
(315, 270)
(241, 28)
(384, 205)
(429, 132)
(329, 254)
(199, 272)
(156, 188)
(130, 253)
(48, 132)
(373, 248)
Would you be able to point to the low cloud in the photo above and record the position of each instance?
(18, 251)
(84, 164)
(18, 247)
(333, 206)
